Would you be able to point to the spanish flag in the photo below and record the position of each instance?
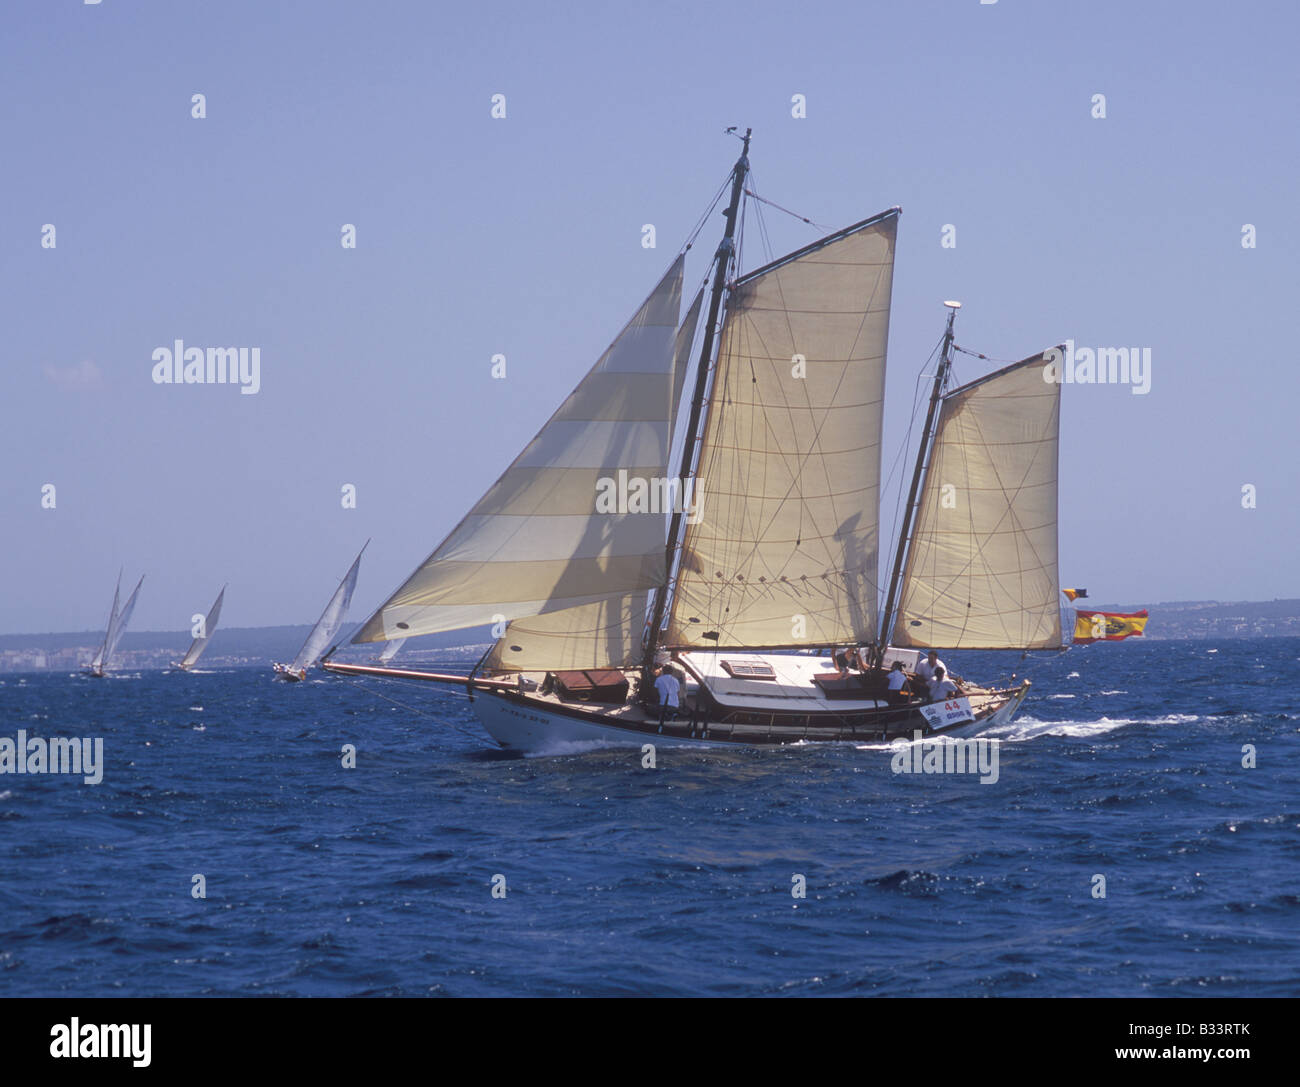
(1071, 594)
(1107, 626)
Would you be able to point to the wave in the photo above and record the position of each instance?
(1028, 728)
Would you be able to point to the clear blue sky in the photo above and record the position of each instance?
(522, 236)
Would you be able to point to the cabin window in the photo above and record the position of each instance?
(748, 670)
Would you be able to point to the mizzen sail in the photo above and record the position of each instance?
(785, 549)
(982, 560)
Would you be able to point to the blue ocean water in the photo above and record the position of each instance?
(1126, 762)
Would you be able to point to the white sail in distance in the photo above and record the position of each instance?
(209, 625)
(785, 550)
(540, 539)
(331, 619)
(98, 660)
(119, 627)
(390, 650)
(981, 568)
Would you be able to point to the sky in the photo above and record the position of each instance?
(522, 236)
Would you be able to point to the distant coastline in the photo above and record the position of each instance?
(231, 647)
(235, 647)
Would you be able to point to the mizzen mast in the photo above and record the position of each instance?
(922, 456)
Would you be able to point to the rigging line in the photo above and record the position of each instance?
(416, 709)
(899, 500)
(768, 253)
(773, 203)
(986, 358)
(695, 232)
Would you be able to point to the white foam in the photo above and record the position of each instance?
(1028, 728)
(570, 747)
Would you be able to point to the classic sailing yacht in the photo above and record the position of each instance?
(327, 626)
(200, 642)
(769, 561)
(117, 620)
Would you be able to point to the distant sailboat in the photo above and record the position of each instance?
(200, 643)
(764, 591)
(390, 650)
(117, 621)
(327, 626)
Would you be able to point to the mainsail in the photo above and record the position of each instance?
(98, 661)
(982, 560)
(539, 540)
(785, 553)
(331, 619)
(209, 625)
(117, 627)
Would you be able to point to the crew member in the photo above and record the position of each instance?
(669, 691)
(926, 669)
(898, 692)
(941, 687)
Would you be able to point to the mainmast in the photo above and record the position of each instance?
(726, 249)
(922, 455)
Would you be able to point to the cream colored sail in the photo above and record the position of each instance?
(602, 635)
(562, 527)
(981, 567)
(608, 633)
(785, 552)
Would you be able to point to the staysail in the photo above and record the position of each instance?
(209, 625)
(784, 552)
(567, 524)
(98, 661)
(606, 633)
(118, 628)
(982, 560)
(331, 619)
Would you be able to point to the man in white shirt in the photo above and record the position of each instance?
(668, 690)
(926, 669)
(896, 681)
(941, 687)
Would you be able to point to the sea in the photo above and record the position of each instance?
(361, 837)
